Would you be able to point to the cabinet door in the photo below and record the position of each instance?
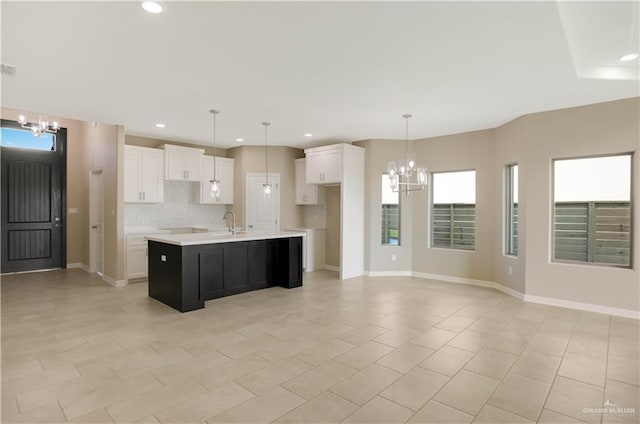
(132, 170)
(137, 261)
(301, 185)
(259, 271)
(225, 171)
(151, 177)
(192, 161)
(332, 166)
(235, 267)
(211, 262)
(314, 168)
(174, 165)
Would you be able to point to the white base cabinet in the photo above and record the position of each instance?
(137, 252)
(313, 248)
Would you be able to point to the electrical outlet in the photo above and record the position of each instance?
(163, 258)
(510, 270)
(393, 257)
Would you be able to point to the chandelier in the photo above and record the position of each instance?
(404, 174)
(215, 183)
(41, 127)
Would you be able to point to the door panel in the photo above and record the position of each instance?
(262, 212)
(32, 207)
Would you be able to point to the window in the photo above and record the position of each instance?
(390, 213)
(511, 210)
(592, 210)
(23, 139)
(453, 215)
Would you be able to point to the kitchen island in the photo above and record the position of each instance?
(185, 270)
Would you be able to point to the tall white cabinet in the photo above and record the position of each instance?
(224, 174)
(307, 194)
(143, 174)
(182, 163)
(343, 164)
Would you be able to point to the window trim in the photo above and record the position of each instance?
(552, 213)
(508, 189)
(430, 210)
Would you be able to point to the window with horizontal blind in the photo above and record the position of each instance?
(453, 210)
(592, 210)
(511, 210)
(390, 214)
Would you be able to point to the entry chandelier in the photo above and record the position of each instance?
(404, 174)
(215, 183)
(267, 185)
(41, 127)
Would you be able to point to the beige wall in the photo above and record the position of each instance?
(250, 159)
(135, 140)
(332, 240)
(77, 183)
(598, 129)
(102, 152)
(532, 142)
(378, 257)
(473, 150)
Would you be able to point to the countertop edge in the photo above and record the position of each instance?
(175, 239)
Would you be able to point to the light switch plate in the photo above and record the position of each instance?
(163, 258)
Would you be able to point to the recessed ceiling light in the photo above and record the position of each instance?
(239, 139)
(308, 135)
(152, 6)
(629, 57)
(160, 125)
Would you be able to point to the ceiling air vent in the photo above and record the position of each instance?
(8, 70)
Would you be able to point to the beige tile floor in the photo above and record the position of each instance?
(364, 350)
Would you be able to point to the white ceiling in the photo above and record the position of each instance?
(342, 71)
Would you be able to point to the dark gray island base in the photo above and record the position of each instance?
(185, 276)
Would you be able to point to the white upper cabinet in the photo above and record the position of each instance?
(182, 163)
(324, 165)
(143, 174)
(306, 194)
(224, 174)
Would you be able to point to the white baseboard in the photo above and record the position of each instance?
(332, 268)
(388, 273)
(590, 307)
(452, 279)
(78, 265)
(115, 283)
(569, 304)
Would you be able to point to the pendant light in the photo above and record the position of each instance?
(405, 175)
(267, 185)
(215, 183)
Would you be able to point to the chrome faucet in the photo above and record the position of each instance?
(232, 228)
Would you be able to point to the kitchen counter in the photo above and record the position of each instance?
(192, 239)
(185, 270)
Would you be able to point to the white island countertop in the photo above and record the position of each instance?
(209, 238)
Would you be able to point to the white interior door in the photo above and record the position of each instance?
(96, 207)
(262, 212)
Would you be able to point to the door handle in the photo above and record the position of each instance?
(95, 227)
(250, 226)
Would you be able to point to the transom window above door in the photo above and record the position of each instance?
(23, 139)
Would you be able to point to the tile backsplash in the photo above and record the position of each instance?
(179, 209)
